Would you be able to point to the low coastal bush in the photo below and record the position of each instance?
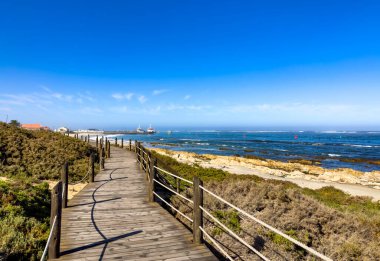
(24, 219)
(188, 171)
(39, 155)
(332, 222)
(26, 159)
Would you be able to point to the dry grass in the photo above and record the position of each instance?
(328, 220)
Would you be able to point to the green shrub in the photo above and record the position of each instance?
(24, 219)
(26, 158)
(38, 155)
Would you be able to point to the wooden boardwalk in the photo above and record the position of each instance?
(112, 219)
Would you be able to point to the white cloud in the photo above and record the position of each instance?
(289, 107)
(142, 99)
(45, 88)
(122, 96)
(62, 97)
(187, 97)
(175, 107)
(158, 92)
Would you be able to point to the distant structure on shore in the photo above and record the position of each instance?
(89, 131)
(34, 126)
(62, 130)
(139, 130)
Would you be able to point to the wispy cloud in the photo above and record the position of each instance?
(122, 96)
(187, 97)
(175, 107)
(158, 92)
(142, 99)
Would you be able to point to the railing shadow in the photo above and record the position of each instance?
(105, 240)
(100, 201)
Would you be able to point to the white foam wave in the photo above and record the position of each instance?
(334, 155)
(337, 132)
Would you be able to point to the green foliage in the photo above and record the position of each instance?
(339, 200)
(40, 154)
(280, 240)
(24, 219)
(187, 171)
(230, 218)
(26, 158)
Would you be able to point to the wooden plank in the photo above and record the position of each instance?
(113, 219)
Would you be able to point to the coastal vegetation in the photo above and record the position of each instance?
(332, 222)
(27, 160)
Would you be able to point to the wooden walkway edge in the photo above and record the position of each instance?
(111, 219)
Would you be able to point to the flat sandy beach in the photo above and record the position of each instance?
(353, 182)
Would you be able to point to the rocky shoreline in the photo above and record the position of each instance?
(351, 181)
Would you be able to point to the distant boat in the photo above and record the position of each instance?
(139, 130)
(150, 130)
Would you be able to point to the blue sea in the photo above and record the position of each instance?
(332, 149)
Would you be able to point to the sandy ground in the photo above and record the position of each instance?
(73, 189)
(350, 181)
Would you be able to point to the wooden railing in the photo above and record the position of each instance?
(156, 175)
(59, 199)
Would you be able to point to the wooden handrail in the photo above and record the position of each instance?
(198, 209)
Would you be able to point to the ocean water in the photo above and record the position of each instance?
(332, 149)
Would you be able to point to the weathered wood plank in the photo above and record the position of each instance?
(112, 219)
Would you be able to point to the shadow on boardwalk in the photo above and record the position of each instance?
(112, 219)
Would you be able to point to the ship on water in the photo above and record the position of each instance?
(151, 130)
(140, 130)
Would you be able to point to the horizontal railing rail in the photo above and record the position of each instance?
(198, 230)
(59, 197)
(44, 254)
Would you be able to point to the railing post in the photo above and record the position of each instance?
(88, 138)
(65, 183)
(116, 142)
(122, 143)
(148, 161)
(102, 159)
(106, 146)
(130, 145)
(97, 141)
(56, 211)
(100, 150)
(92, 167)
(141, 154)
(109, 150)
(178, 181)
(152, 175)
(136, 146)
(197, 212)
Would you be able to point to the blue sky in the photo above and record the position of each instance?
(204, 64)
